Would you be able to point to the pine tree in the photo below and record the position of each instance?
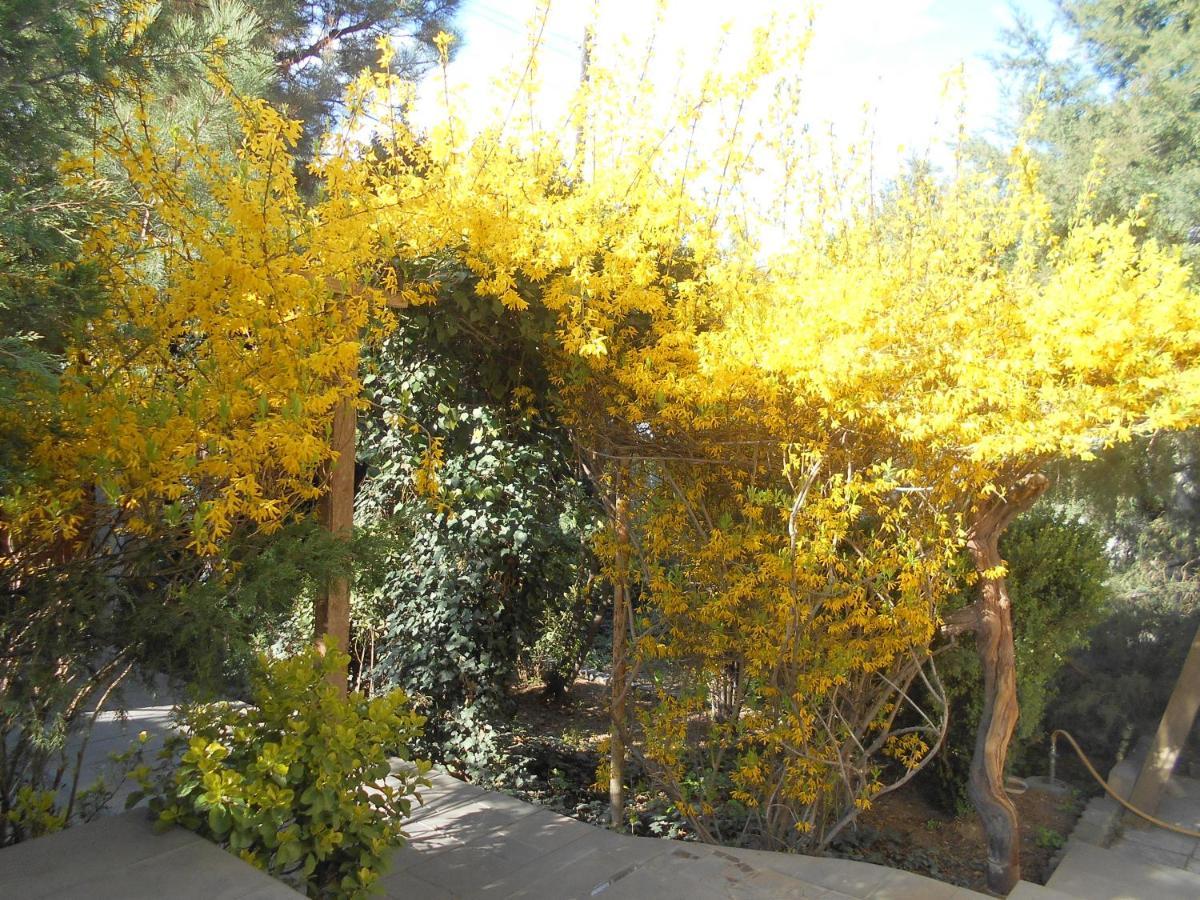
(1131, 94)
(319, 47)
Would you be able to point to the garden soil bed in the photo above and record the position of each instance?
(905, 831)
(561, 744)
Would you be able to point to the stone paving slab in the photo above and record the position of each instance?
(467, 842)
(121, 857)
(1145, 843)
(1098, 874)
(1148, 853)
(115, 733)
(139, 705)
(1026, 890)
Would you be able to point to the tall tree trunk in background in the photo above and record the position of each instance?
(331, 613)
(997, 655)
(617, 706)
(725, 693)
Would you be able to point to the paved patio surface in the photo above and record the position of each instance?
(468, 842)
(119, 857)
(1180, 805)
(465, 842)
(1137, 862)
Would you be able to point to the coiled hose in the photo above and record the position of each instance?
(1104, 784)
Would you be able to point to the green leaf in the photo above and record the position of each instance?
(219, 820)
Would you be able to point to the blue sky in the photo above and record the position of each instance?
(882, 61)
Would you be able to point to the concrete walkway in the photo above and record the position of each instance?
(119, 857)
(465, 842)
(1108, 858)
(468, 842)
(1148, 843)
(118, 854)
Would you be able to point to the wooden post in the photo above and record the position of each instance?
(585, 64)
(1172, 733)
(617, 705)
(331, 614)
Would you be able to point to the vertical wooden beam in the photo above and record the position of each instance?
(332, 608)
(1173, 729)
(617, 683)
(585, 65)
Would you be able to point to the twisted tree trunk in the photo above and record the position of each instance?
(994, 639)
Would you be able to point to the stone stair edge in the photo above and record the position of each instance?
(1090, 864)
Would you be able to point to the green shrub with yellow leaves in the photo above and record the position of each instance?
(298, 782)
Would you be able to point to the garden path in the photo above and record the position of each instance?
(1109, 857)
(465, 842)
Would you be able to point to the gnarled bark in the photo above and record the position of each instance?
(997, 655)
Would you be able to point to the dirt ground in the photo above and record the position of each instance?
(905, 831)
(561, 743)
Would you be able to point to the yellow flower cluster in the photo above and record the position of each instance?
(804, 432)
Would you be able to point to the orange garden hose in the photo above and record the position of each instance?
(1104, 784)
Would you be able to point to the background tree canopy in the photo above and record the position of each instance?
(318, 47)
(1126, 100)
(1127, 95)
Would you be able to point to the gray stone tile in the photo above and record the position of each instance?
(1026, 890)
(1180, 811)
(200, 871)
(274, 891)
(700, 871)
(436, 806)
(1184, 787)
(537, 835)
(900, 885)
(1161, 839)
(443, 796)
(666, 881)
(855, 879)
(471, 871)
(453, 807)
(582, 871)
(1090, 833)
(1149, 854)
(568, 868)
(115, 842)
(121, 857)
(406, 886)
(460, 825)
(1097, 874)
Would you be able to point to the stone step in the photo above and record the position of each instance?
(1097, 874)
(1156, 846)
(124, 858)
(1027, 890)
(1098, 821)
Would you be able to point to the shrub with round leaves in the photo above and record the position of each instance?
(298, 782)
